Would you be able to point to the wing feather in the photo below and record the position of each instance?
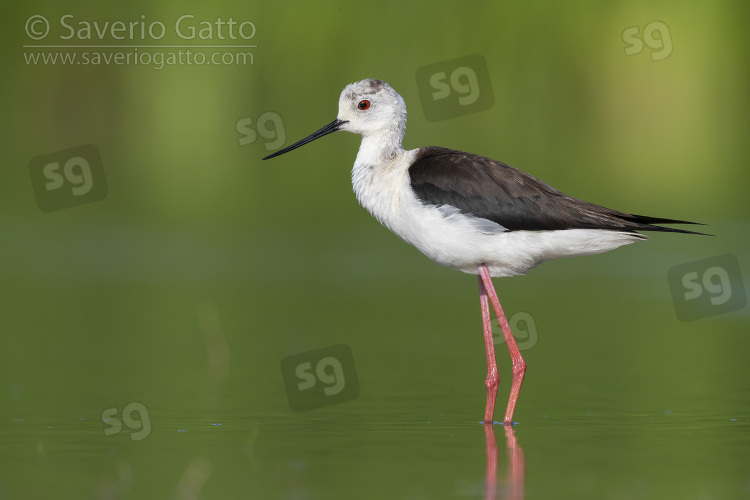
(492, 190)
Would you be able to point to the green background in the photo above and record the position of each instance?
(203, 267)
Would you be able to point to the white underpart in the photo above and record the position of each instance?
(460, 241)
(381, 182)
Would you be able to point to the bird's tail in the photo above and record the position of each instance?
(648, 224)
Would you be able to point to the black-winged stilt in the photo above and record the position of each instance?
(468, 212)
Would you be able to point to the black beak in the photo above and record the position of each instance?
(330, 128)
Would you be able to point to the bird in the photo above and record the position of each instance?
(469, 212)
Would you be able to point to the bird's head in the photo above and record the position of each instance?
(367, 107)
(370, 107)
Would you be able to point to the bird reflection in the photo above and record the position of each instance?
(514, 480)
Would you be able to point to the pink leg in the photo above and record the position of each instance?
(519, 365)
(489, 344)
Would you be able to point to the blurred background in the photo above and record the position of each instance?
(188, 269)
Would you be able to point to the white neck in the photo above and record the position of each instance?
(378, 174)
(380, 148)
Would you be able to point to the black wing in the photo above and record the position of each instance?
(495, 191)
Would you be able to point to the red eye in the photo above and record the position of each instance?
(363, 105)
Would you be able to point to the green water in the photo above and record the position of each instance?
(621, 400)
(143, 332)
